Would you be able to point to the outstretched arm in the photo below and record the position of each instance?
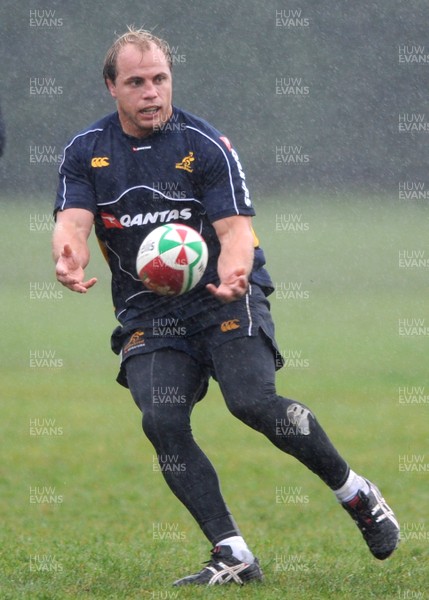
(70, 249)
(236, 257)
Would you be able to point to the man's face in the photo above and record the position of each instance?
(142, 90)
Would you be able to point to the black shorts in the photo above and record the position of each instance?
(199, 335)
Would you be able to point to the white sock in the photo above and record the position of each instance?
(351, 487)
(239, 548)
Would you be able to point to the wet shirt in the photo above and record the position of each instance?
(184, 172)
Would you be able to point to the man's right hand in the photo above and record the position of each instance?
(70, 273)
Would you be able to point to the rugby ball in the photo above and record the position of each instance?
(172, 259)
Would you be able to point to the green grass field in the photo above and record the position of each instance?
(83, 509)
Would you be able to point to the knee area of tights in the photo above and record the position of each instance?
(299, 416)
(164, 425)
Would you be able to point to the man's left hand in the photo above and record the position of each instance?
(233, 288)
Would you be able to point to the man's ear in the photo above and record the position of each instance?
(111, 87)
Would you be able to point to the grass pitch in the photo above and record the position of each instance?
(86, 513)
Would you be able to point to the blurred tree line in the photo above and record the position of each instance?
(321, 80)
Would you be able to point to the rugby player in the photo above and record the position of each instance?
(150, 163)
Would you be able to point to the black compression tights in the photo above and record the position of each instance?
(166, 384)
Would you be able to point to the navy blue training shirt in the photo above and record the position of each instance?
(184, 172)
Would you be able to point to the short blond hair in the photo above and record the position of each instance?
(141, 38)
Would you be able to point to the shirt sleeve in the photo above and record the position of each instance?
(224, 189)
(75, 187)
